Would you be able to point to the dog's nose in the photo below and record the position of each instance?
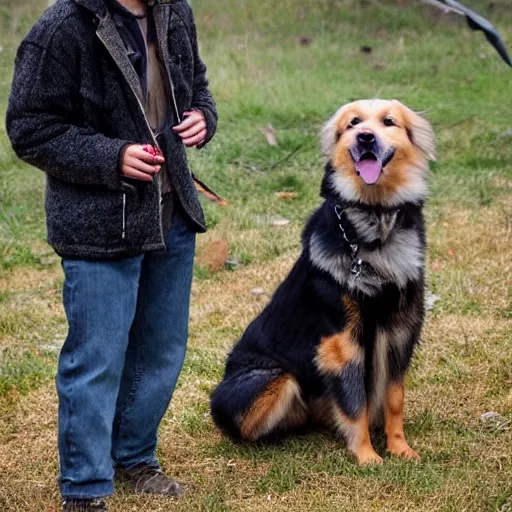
(365, 137)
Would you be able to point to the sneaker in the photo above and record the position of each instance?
(149, 479)
(84, 505)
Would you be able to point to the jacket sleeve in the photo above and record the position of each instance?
(42, 123)
(202, 97)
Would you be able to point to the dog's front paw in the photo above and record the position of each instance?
(368, 457)
(403, 450)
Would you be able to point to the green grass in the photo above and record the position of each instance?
(260, 74)
(24, 372)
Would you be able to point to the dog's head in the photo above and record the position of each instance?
(378, 152)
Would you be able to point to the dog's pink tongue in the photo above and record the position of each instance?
(369, 170)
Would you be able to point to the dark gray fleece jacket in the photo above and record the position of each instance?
(77, 101)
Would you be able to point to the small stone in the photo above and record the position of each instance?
(257, 292)
(430, 300)
(232, 263)
(280, 222)
(495, 421)
(53, 346)
(487, 417)
(506, 507)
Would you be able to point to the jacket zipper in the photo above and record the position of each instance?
(124, 216)
(155, 143)
(171, 83)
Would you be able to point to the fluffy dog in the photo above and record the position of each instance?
(335, 342)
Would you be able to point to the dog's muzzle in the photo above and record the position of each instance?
(370, 157)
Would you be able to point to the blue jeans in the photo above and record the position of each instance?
(128, 329)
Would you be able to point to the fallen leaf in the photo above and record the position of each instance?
(436, 265)
(304, 40)
(286, 195)
(270, 134)
(451, 253)
(214, 255)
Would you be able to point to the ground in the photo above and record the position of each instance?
(292, 63)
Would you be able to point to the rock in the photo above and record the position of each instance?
(430, 300)
(232, 262)
(495, 421)
(487, 417)
(280, 222)
(257, 292)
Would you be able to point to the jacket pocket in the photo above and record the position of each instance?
(85, 216)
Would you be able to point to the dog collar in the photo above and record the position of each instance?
(357, 263)
(387, 221)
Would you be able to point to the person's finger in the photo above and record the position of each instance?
(194, 130)
(142, 166)
(139, 153)
(188, 122)
(197, 139)
(130, 172)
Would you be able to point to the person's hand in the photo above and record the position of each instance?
(139, 163)
(192, 129)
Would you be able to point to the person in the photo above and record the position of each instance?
(106, 94)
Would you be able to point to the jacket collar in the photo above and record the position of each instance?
(109, 36)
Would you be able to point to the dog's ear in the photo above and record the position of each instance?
(329, 136)
(421, 133)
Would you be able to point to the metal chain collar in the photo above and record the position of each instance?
(357, 263)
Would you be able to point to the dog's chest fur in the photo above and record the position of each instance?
(364, 249)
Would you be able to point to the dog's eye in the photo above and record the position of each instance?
(387, 121)
(354, 122)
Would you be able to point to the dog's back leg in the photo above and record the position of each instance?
(255, 403)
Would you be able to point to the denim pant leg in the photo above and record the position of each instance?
(100, 300)
(157, 347)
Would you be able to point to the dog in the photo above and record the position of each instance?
(335, 342)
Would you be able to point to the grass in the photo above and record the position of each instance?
(260, 74)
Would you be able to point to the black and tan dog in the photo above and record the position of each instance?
(336, 340)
